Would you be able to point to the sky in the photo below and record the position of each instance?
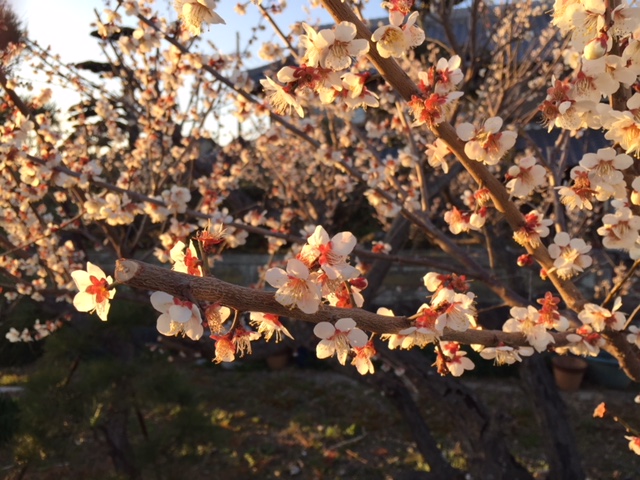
(64, 25)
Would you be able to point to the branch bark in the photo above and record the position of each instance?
(145, 276)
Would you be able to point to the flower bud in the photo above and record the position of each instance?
(597, 47)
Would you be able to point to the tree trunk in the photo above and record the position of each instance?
(551, 414)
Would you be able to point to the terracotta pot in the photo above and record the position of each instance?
(278, 361)
(568, 372)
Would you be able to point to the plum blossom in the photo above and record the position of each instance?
(94, 292)
(331, 254)
(428, 327)
(579, 195)
(225, 348)
(332, 48)
(486, 144)
(236, 342)
(527, 321)
(605, 174)
(454, 359)
(186, 261)
(14, 336)
(176, 199)
(395, 39)
(570, 255)
(600, 318)
(620, 229)
(504, 354)
(177, 316)
(436, 153)
(281, 98)
(354, 92)
(525, 177)
(634, 444)
(635, 193)
(296, 287)
(362, 358)
(215, 315)
(584, 342)
(432, 109)
(634, 335)
(457, 311)
(535, 228)
(196, 12)
(337, 340)
(550, 316)
(269, 324)
(624, 127)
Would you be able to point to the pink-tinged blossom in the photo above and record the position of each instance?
(431, 109)
(620, 229)
(14, 336)
(440, 283)
(624, 127)
(549, 313)
(534, 228)
(600, 318)
(605, 175)
(268, 325)
(281, 98)
(584, 342)
(362, 358)
(634, 335)
(177, 316)
(570, 255)
(427, 328)
(486, 144)
(94, 294)
(331, 254)
(338, 340)
(455, 359)
(395, 39)
(635, 192)
(296, 287)
(186, 261)
(504, 354)
(176, 199)
(525, 177)
(354, 92)
(215, 315)
(443, 77)
(634, 444)
(196, 12)
(225, 348)
(436, 153)
(579, 195)
(457, 310)
(332, 48)
(527, 321)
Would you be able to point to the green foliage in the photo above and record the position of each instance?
(90, 376)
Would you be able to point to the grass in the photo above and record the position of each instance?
(249, 422)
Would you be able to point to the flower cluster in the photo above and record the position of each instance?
(319, 271)
(438, 88)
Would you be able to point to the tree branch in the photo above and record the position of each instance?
(145, 276)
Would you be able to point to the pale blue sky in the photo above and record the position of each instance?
(65, 26)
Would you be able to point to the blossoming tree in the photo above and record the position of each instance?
(438, 137)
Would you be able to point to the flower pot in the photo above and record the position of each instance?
(278, 361)
(568, 372)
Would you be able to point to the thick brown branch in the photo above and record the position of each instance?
(145, 276)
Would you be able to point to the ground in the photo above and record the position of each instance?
(315, 423)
